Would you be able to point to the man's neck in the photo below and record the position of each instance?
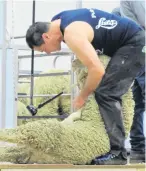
(55, 29)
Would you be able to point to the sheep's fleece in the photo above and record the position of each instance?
(75, 140)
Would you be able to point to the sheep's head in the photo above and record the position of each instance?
(82, 71)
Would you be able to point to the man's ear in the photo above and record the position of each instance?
(45, 37)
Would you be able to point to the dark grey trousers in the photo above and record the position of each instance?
(137, 137)
(120, 73)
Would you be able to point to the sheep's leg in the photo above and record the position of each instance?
(8, 135)
(25, 155)
(14, 154)
(73, 117)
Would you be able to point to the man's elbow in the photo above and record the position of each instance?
(102, 72)
(98, 72)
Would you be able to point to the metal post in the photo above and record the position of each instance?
(15, 70)
(72, 84)
(11, 80)
(73, 77)
(3, 17)
(79, 4)
(15, 86)
(32, 60)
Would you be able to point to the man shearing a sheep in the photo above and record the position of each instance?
(85, 31)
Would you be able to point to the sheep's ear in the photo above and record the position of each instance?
(76, 64)
(60, 108)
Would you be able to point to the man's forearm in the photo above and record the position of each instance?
(92, 81)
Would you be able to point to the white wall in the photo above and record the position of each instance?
(45, 10)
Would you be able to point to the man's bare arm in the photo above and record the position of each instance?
(78, 42)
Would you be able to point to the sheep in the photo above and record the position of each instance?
(47, 85)
(75, 140)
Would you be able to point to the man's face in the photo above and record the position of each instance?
(51, 44)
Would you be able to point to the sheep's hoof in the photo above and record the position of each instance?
(68, 120)
(73, 117)
(21, 160)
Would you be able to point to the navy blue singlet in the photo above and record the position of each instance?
(110, 31)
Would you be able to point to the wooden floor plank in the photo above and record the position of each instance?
(69, 166)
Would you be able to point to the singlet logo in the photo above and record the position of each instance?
(92, 13)
(108, 24)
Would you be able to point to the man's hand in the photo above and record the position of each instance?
(79, 102)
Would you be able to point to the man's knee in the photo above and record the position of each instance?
(101, 95)
(104, 95)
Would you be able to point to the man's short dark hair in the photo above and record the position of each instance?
(34, 33)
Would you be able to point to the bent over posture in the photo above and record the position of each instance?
(88, 30)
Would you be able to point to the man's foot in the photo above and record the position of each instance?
(137, 156)
(110, 159)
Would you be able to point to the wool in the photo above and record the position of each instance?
(75, 140)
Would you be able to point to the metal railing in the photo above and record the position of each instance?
(43, 75)
(70, 72)
(40, 95)
(8, 45)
